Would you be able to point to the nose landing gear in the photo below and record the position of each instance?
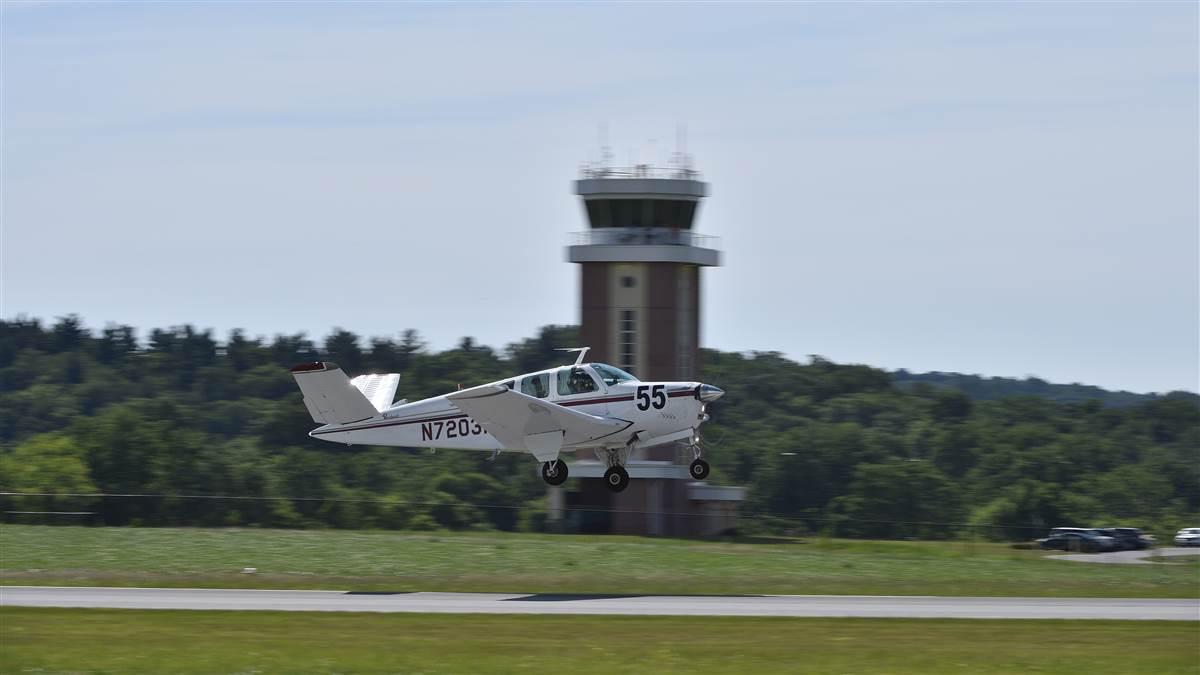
(699, 468)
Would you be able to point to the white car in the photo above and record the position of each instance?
(1188, 536)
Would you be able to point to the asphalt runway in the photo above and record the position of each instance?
(643, 605)
(1142, 557)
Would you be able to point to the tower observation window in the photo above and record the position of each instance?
(599, 213)
(627, 340)
(677, 213)
(673, 213)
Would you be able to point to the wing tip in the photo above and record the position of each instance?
(482, 391)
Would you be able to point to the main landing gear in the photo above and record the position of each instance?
(616, 478)
(554, 472)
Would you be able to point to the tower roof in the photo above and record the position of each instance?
(640, 181)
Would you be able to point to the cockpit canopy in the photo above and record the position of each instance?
(611, 374)
(570, 380)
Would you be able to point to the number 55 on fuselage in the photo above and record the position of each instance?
(584, 405)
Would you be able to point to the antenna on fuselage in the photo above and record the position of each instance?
(582, 352)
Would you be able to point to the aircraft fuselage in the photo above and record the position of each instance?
(658, 412)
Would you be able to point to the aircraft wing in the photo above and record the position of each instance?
(522, 422)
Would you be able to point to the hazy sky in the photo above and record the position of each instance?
(1004, 189)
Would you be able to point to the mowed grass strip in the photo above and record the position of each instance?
(532, 563)
(169, 641)
(1187, 559)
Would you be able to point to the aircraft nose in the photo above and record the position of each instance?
(709, 393)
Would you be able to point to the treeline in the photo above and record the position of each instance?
(993, 388)
(215, 433)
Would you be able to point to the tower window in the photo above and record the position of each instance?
(628, 282)
(627, 340)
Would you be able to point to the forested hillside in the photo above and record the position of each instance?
(182, 416)
(993, 388)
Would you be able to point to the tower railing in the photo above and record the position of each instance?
(640, 171)
(642, 236)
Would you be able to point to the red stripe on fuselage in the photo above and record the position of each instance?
(392, 423)
(586, 401)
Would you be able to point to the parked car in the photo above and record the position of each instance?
(1188, 536)
(1077, 539)
(1062, 530)
(1128, 538)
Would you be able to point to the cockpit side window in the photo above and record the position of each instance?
(575, 381)
(537, 386)
(612, 375)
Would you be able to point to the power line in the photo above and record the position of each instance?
(51, 513)
(834, 520)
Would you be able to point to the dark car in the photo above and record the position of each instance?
(1061, 530)
(1070, 539)
(1127, 538)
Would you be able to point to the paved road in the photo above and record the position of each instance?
(500, 603)
(1129, 557)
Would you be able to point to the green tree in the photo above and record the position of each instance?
(903, 498)
(51, 469)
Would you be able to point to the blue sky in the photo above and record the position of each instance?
(995, 188)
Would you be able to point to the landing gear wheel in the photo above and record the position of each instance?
(616, 478)
(555, 472)
(698, 469)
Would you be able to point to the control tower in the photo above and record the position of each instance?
(640, 266)
(639, 303)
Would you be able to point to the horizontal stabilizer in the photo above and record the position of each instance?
(329, 395)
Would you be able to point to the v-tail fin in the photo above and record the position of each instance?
(380, 390)
(330, 396)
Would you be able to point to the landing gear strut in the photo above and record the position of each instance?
(698, 469)
(554, 472)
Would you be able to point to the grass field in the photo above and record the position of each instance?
(503, 562)
(1192, 559)
(134, 641)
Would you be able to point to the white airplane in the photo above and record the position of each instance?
(580, 406)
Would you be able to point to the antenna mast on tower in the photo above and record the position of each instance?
(605, 150)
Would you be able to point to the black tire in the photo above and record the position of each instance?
(698, 469)
(616, 479)
(559, 469)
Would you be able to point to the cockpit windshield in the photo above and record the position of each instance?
(612, 375)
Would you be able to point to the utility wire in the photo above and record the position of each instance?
(837, 520)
